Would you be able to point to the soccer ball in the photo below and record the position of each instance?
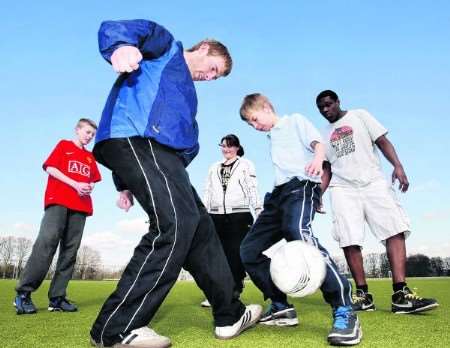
(297, 268)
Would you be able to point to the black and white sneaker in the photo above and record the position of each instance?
(144, 337)
(406, 301)
(280, 317)
(346, 330)
(363, 301)
(248, 319)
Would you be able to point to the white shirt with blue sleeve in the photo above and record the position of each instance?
(290, 143)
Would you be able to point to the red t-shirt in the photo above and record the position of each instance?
(79, 165)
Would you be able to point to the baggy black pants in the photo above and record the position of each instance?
(181, 234)
(232, 229)
(288, 213)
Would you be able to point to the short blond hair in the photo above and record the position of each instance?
(216, 48)
(84, 121)
(255, 101)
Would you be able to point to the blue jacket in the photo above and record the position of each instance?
(158, 100)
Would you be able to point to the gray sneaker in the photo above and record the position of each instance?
(346, 330)
(282, 317)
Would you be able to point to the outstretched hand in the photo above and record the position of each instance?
(399, 174)
(126, 59)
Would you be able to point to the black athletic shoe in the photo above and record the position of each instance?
(407, 301)
(61, 304)
(23, 304)
(346, 330)
(363, 301)
(279, 317)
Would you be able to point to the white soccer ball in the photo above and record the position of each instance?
(297, 268)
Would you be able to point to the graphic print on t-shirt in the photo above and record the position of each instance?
(225, 174)
(342, 141)
(79, 168)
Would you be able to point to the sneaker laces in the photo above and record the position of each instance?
(357, 299)
(341, 316)
(411, 295)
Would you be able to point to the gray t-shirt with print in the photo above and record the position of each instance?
(351, 149)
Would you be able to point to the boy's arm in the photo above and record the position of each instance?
(125, 43)
(82, 188)
(388, 151)
(315, 168)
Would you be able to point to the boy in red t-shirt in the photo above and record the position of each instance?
(72, 173)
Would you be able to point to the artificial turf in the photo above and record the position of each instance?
(188, 325)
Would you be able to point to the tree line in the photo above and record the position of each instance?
(376, 265)
(14, 252)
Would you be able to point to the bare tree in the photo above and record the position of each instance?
(7, 253)
(23, 248)
(372, 265)
(88, 264)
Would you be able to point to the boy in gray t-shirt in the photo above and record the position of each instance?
(297, 154)
(359, 193)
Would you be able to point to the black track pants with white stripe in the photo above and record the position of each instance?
(181, 234)
(288, 213)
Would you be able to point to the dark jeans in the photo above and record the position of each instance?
(232, 228)
(288, 213)
(60, 226)
(181, 234)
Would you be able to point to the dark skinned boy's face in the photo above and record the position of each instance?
(329, 108)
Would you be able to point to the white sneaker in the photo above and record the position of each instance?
(248, 319)
(144, 337)
(205, 303)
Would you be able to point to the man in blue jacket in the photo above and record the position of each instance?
(146, 137)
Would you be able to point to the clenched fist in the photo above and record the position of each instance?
(126, 59)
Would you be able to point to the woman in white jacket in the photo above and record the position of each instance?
(232, 200)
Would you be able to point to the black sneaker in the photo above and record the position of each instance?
(24, 304)
(406, 301)
(363, 301)
(346, 330)
(61, 304)
(280, 317)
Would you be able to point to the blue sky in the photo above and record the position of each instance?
(392, 58)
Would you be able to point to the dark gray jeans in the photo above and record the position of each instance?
(60, 226)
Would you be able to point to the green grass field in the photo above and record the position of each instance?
(188, 325)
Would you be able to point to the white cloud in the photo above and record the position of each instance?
(19, 229)
(137, 225)
(441, 214)
(431, 185)
(442, 250)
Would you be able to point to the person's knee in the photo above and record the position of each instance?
(248, 255)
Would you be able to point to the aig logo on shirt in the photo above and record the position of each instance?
(79, 168)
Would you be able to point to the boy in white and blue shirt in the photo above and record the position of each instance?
(297, 153)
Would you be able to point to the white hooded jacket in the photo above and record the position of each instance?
(241, 194)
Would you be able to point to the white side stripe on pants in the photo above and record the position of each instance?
(174, 240)
(153, 244)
